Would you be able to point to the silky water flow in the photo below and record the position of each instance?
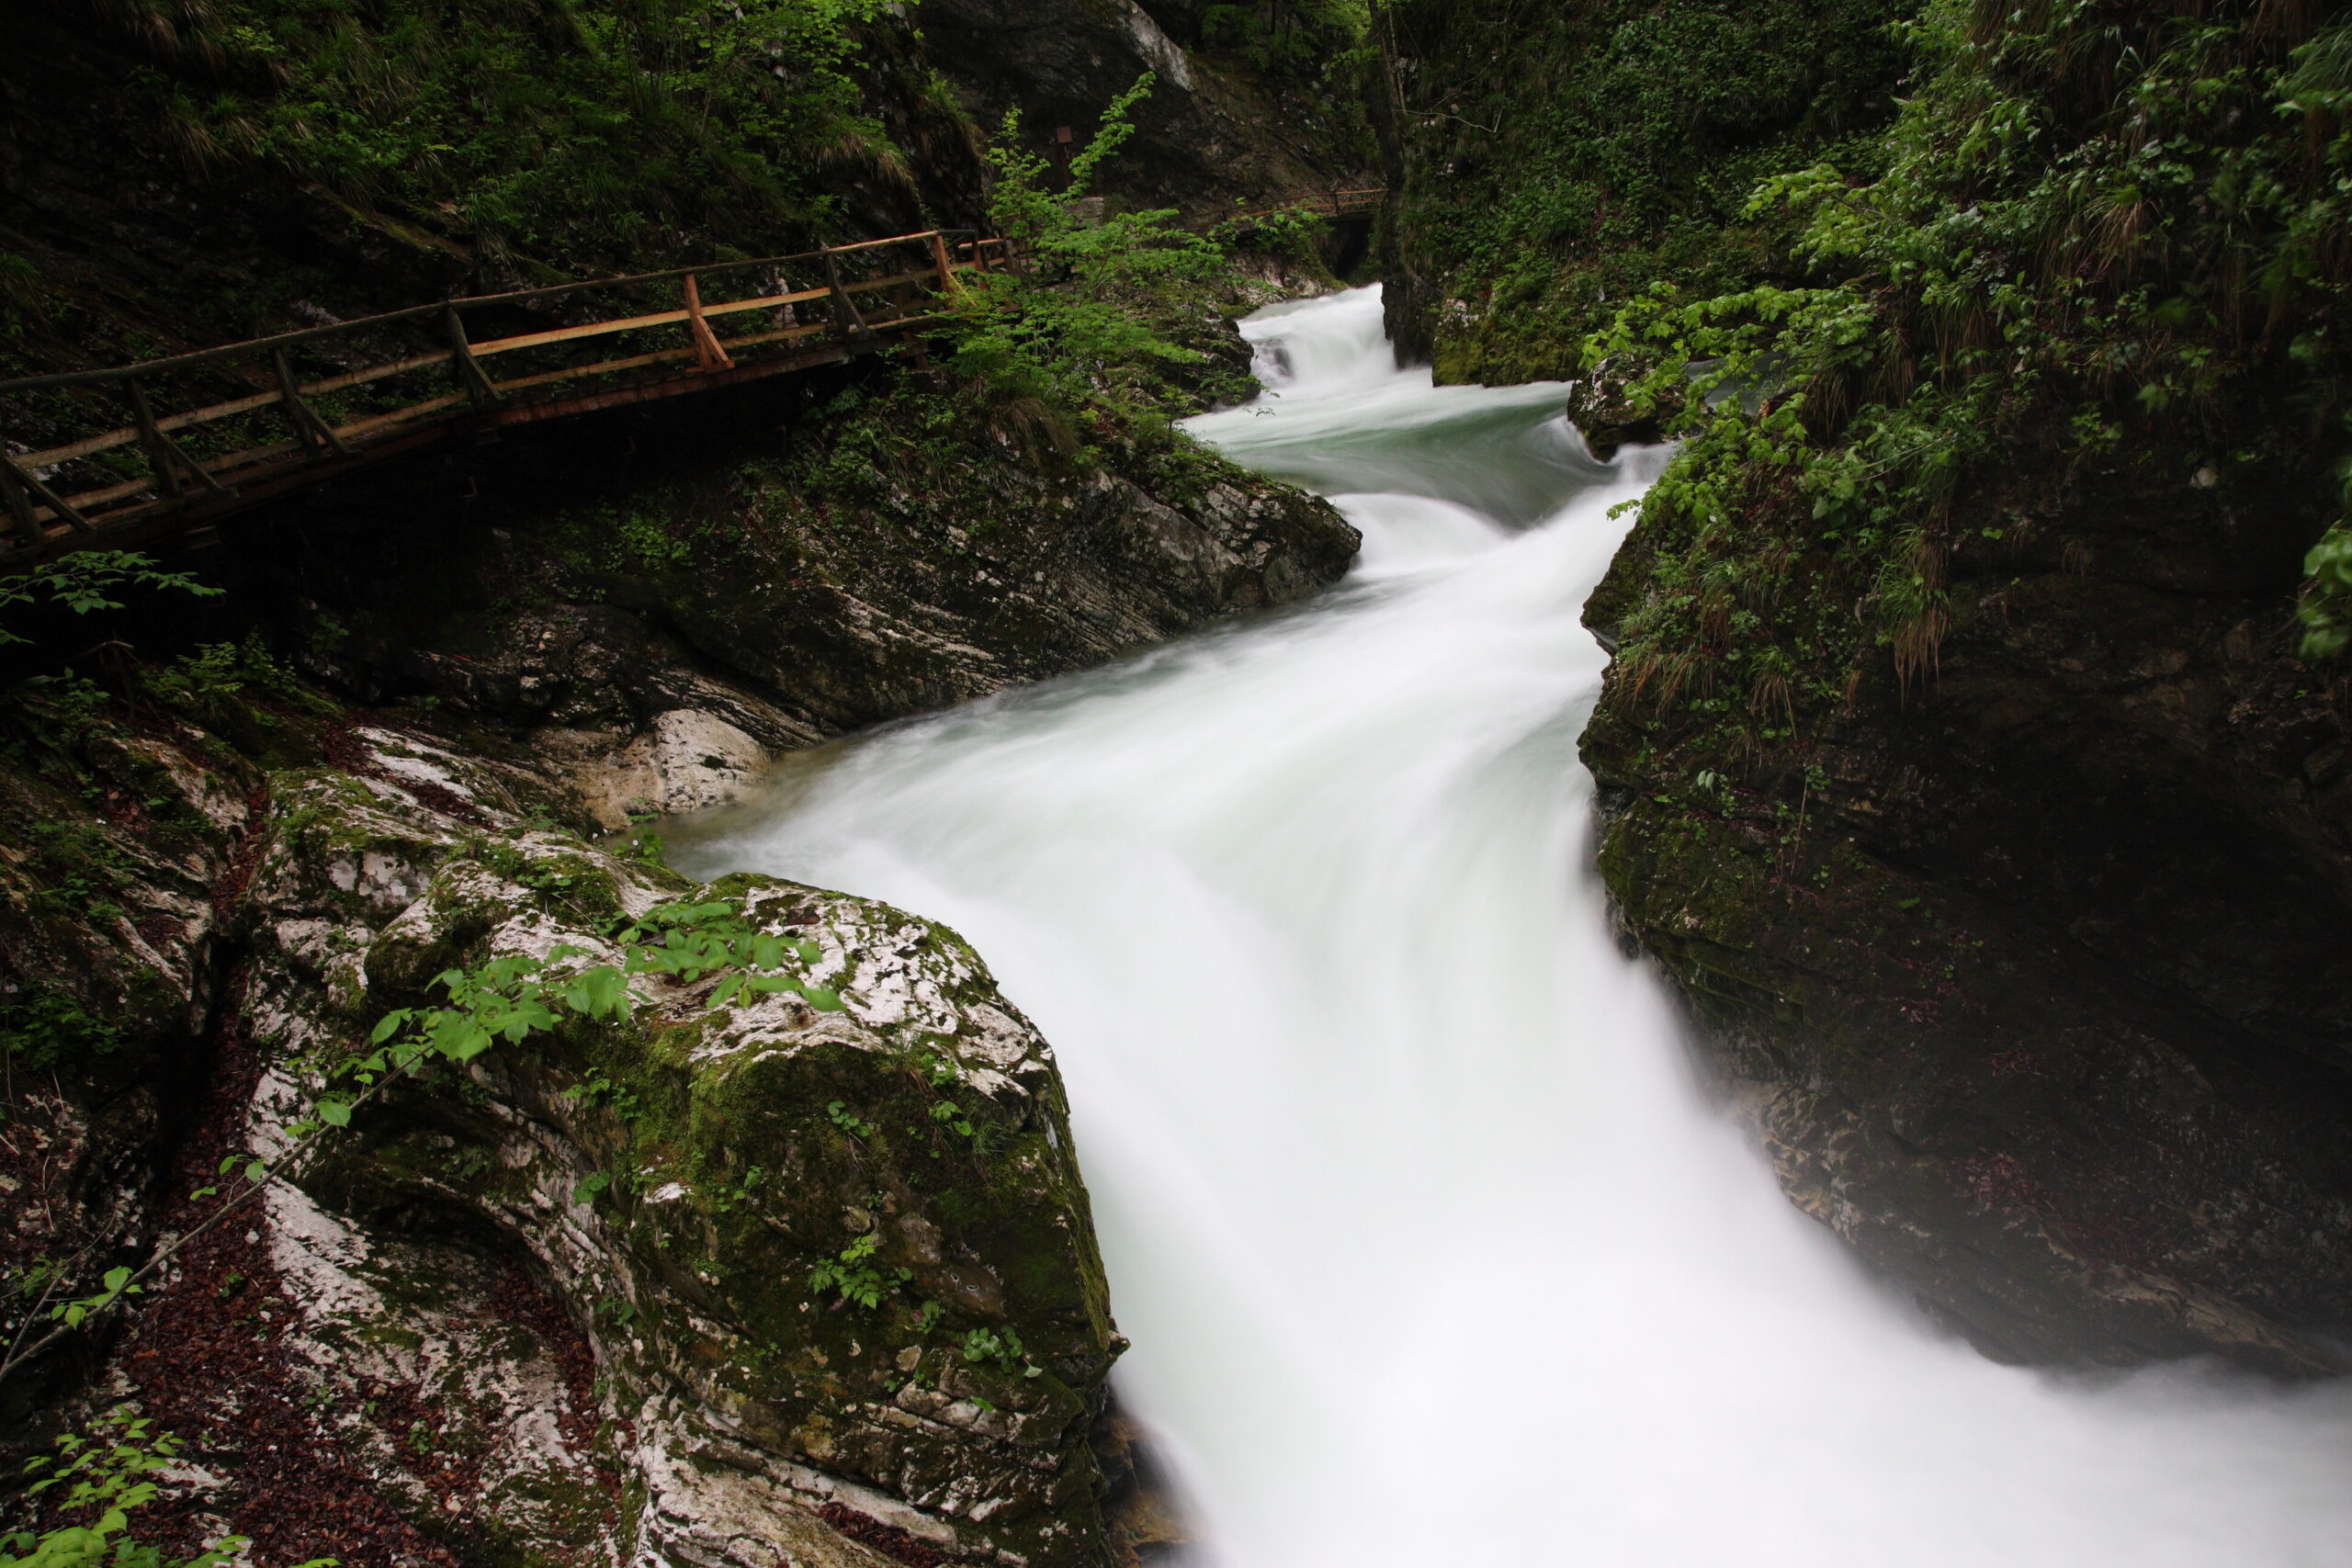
(1431, 1250)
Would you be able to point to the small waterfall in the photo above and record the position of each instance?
(1430, 1251)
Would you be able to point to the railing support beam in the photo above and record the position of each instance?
(21, 489)
(846, 316)
(462, 361)
(309, 428)
(166, 456)
(708, 352)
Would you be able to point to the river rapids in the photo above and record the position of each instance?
(1432, 1252)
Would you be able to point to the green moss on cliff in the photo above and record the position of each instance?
(1565, 158)
(2099, 245)
(553, 132)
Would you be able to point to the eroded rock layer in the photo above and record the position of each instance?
(568, 1303)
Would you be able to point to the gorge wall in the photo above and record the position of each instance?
(802, 1274)
(1962, 759)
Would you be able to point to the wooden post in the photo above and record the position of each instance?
(163, 454)
(17, 482)
(309, 429)
(950, 286)
(461, 360)
(20, 506)
(151, 440)
(707, 353)
(846, 314)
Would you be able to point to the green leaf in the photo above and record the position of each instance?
(116, 1278)
(256, 1172)
(822, 999)
(601, 992)
(335, 1113)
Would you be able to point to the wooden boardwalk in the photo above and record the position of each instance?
(1335, 204)
(171, 444)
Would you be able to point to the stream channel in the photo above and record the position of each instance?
(1432, 1249)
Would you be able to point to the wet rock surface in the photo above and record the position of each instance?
(559, 1307)
(789, 577)
(2035, 980)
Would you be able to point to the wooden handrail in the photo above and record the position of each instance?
(425, 312)
(1331, 203)
(186, 480)
(318, 445)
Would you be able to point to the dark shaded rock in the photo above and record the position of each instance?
(1214, 135)
(1598, 408)
(795, 579)
(2040, 980)
(561, 1302)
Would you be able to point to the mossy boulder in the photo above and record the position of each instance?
(834, 1258)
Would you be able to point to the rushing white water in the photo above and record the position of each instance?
(1431, 1254)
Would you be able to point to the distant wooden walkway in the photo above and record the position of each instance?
(169, 444)
(1331, 204)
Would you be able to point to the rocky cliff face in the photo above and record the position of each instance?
(564, 1305)
(2036, 981)
(1216, 135)
(1996, 828)
(793, 579)
(726, 1284)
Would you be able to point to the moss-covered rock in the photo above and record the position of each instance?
(826, 561)
(121, 833)
(812, 1270)
(2034, 972)
(825, 1258)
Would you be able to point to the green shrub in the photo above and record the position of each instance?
(1075, 328)
(85, 581)
(2096, 238)
(579, 132)
(107, 1476)
(42, 1027)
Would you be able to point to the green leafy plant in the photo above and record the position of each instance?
(593, 133)
(689, 942)
(855, 1277)
(729, 1198)
(644, 846)
(2132, 269)
(1294, 234)
(597, 1088)
(1072, 327)
(1002, 1348)
(43, 1026)
(85, 583)
(219, 672)
(1289, 35)
(2326, 609)
(106, 1477)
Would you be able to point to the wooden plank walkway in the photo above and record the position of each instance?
(1333, 204)
(212, 431)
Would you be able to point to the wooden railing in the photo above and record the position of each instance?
(1332, 204)
(225, 427)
